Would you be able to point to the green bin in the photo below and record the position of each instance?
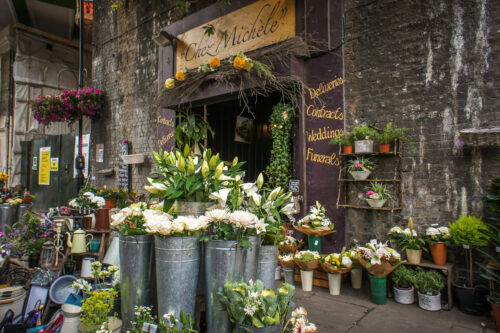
(378, 287)
(314, 243)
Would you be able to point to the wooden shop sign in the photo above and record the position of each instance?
(262, 23)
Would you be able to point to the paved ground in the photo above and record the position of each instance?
(353, 312)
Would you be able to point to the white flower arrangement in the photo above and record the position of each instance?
(376, 252)
(82, 285)
(127, 212)
(307, 255)
(161, 223)
(289, 240)
(316, 218)
(286, 257)
(439, 234)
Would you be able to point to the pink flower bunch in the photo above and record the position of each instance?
(358, 166)
(369, 193)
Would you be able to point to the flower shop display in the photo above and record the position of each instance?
(360, 168)
(290, 245)
(404, 280)
(379, 260)
(252, 307)
(439, 240)
(346, 140)
(377, 194)
(299, 322)
(86, 202)
(168, 322)
(336, 264)
(288, 264)
(470, 232)
(316, 225)
(96, 310)
(429, 284)
(390, 134)
(363, 138)
(356, 270)
(136, 275)
(177, 256)
(111, 196)
(412, 244)
(307, 261)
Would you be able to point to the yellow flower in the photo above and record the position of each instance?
(214, 63)
(169, 83)
(180, 76)
(239, 63)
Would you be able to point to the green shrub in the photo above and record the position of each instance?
(363, 132)
(429, 281)
(389, 134)
(470, 230)
(345, 139)
(403, 277)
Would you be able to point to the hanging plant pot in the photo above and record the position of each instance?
(384, 147)
(414, 256)
(376, 203)
(439, 253)
(360, 175)
(404, 295)
(430, 301)
(363, 146)
(470, 300)
(347, 150)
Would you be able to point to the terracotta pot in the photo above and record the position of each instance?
(110, 203)
(102, 219)
(384, 147)
(414, 256)
(347, 149)
(439, 252)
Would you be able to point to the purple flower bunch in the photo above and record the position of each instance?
(69, 106)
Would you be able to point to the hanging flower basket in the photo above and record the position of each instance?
(321, 231)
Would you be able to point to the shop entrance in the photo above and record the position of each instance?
(240, 133)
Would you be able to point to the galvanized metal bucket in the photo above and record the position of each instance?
(223, 262)
(266, 264)
(21, 210)
(289, 274)
(177, 267)
(5, 215)
(241, 328)
(250, 259)
(137, 275)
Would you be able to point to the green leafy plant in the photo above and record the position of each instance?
(429, 282)
(209, 29)
(403, 277)
(95, 309)
(378, 191)
(191, 130)
(390, 134)
(411, 240)
(280, 168)
(360, 164)
(167, 324)
(251, 304)
(492, 199)
(364, 132)
(470, 232)
(344, 139)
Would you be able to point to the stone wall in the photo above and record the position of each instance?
(125, 66)
(429, 66)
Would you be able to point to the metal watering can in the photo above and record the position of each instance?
(79, 243)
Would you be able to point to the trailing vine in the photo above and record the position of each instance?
(279, 170)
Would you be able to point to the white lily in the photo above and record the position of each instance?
(274, 193)
(249, 188)
(220, 196)
(257, 198)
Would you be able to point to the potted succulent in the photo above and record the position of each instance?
(336, 264)
(429, 284)
(470, 232)
(307, 261)
(412, 244)
(346, 140)
(315, 225)
(253, 308)
(360, 168)
(439, 240)
(363, 138)
(377, 194)
(390, 134)
(404, 279)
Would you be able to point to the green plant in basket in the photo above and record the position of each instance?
(390, 134)
(429, 282)
(344, 139)
(360, 164)
(364, 132)
(378, 191)
(403, 277)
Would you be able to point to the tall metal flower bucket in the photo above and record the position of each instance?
(177, 267)
(137, 274)
(21, 210)
(250, 259)
(223, 262)
(241, 328)
(266, 264)
(5, 215)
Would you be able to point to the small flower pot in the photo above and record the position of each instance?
(439, 253)
(307, 280)
(363, 146)
(360, 175)
(429, 302)
(414, 256)
(376, 203)
(110, 203)
(404, 295)
(334, 283)
(384, 147)
(347, 150)
(356, 278)
(471, 301)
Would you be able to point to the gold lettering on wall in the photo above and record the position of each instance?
(314, 111)
(164, 139)
(325, 87)
(331, 159)
(323, 133)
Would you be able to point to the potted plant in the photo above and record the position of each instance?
(363, 138)
(191, 130)
(469, 232)
(111, 195)
(390, 134)
(253, 308)
(95, 310)
(346, 140)
(307, 261)
(412, 244)
(404, 279)
(360, 168)
(336, 264)
(439, 240)
(429, 284)
(315, 225)
(377, 194)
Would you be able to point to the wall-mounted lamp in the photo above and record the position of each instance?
(164, 39)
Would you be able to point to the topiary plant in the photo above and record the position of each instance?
(429, 282)
(403, 277)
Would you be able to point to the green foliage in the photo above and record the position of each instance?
(389, 134)
(470, 230)
(251, 304)
(380, 189)
(429, 281)
(344, 139)
(363, 132)
(96, 307)
(492, 199)
(280, 168)
(167, 324)
(403, 277)
(413, 243)
(366, 164)
(209, 29)
(191, 129)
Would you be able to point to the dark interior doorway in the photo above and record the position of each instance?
(238, 133)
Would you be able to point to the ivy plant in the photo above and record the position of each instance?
(279, 170)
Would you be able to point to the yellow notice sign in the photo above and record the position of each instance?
(249, 28)
(44, 169)
(54, 164)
